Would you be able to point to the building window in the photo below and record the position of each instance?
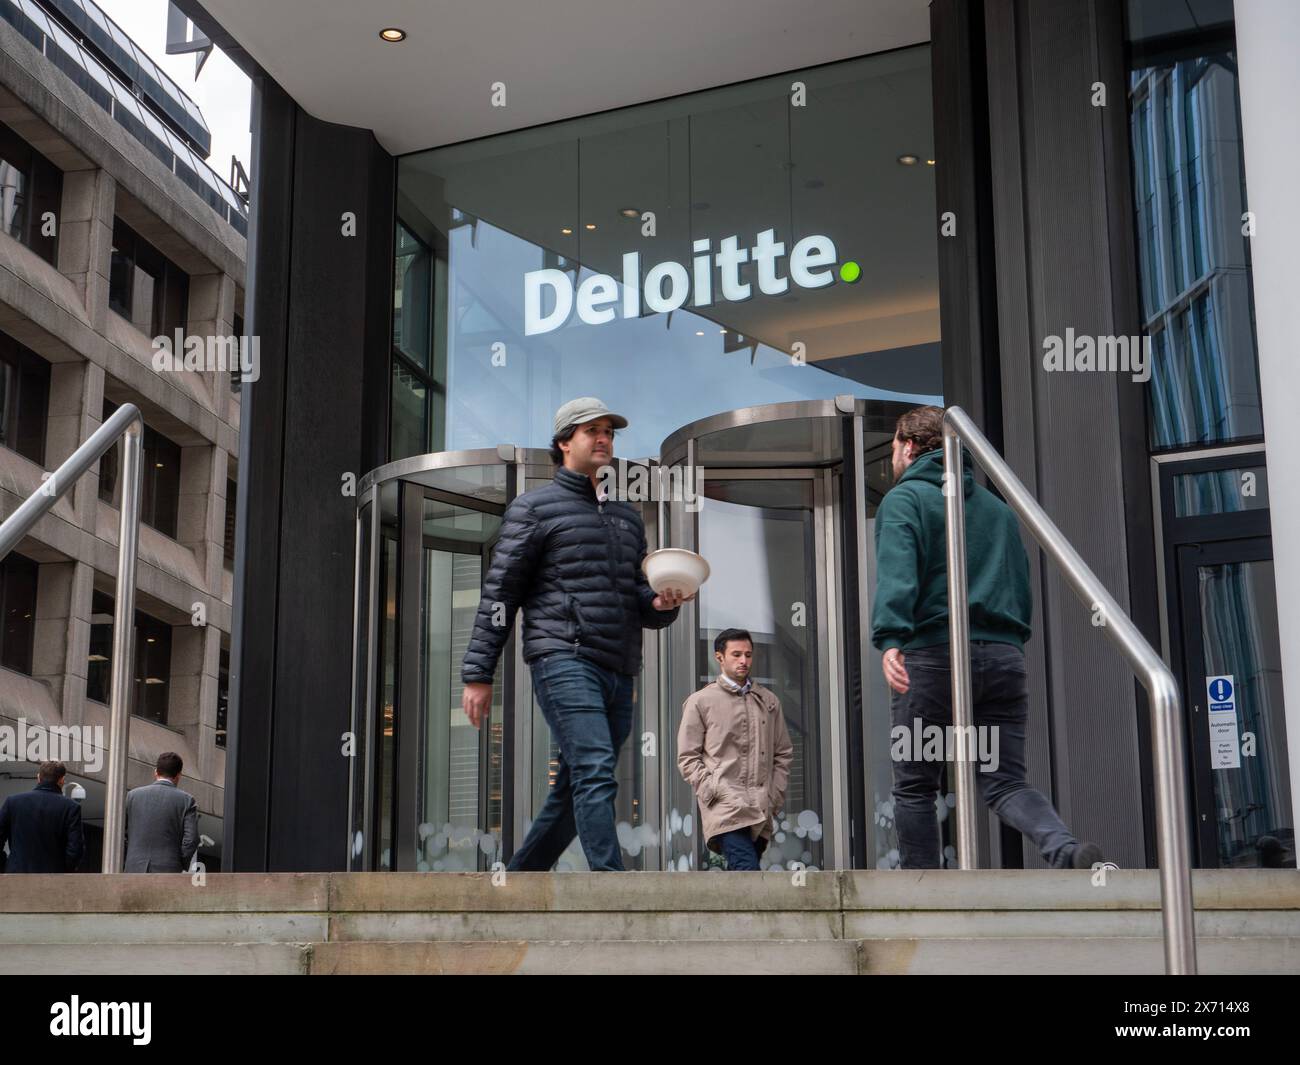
(24, 399)
(18, 576)
(1193, 260)
(414, 389)
(223, 692)
(31, 191)
(153, 658)
(229, 552)
(161, 478)
(146, 287)
(236, 382)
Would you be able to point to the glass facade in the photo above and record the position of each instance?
(727, 254)
(678, 259)
(1194, 252)
(1193, 227)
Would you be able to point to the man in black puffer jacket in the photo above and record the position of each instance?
(573, 562)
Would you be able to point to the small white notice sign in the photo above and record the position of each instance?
(1221, 700)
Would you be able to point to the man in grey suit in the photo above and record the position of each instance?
(162, 822)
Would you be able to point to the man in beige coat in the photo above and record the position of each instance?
(734, 751)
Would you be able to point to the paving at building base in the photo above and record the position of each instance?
(990, 921)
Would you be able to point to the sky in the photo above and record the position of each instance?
(222, 90)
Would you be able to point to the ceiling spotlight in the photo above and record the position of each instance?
(907, 160)
(567, 231)
(929, 162)
(699, 332)
(392, 34)
(630, 212)
(591, 225)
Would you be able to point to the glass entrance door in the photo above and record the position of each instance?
(760, 535)
(1223, 640)
(429, 791)
(785, 493)
(1240, 782)
(458, 785)
(783, 497)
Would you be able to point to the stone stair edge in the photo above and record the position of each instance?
(831, 891)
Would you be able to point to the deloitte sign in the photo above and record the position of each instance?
(668, 285)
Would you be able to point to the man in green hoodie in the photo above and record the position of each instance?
(910, 626)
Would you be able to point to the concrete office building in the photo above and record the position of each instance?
(116, 231)
(760, 230)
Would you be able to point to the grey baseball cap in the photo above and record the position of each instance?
(585, 409)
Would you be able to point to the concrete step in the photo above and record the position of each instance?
(38, 928)
(589, 958)
(1089, 956)
(876, 957)
(871, 922)
(145, 959)
(994, 891)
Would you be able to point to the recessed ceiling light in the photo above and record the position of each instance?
(591, 225)
(630, 212)
(392, 34)
(907, 160)
(699, 332)
(929, 162)
(567, 231)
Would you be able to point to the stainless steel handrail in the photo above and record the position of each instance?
(124, 422)
(1172, 828)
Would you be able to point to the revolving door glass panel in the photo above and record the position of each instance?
(458, 801)
(758, 536)
(428, 790)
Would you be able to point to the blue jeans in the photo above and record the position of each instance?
(589, 710)
(1000, 701)
(740, 850)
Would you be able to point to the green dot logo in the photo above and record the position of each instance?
(850, 272)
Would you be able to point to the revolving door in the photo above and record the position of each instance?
(781, 501)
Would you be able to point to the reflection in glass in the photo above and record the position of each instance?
(458, 813)
(1238, 603)
(1220, 491)
(360, 751)
(1194, 262)
(388, 674)
(758, 538)
(663, 182)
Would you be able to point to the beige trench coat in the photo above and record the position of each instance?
(735, 752)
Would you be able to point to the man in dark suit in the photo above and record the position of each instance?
(162, 822)
(42, 827)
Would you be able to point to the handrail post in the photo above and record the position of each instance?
(123, 665)
(959, 650)
(1173, 832)
(1172, 843)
